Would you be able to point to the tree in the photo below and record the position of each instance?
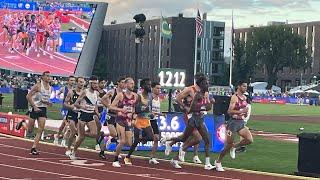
(244, 63)
(276, 47)
(272, 48)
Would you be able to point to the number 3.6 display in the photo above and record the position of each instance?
(172, 78)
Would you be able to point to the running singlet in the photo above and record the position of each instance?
(124, 119)
(112, 113)
(240, 104)
(143, 111)
(200, 105)
(32, 29)
(73, 100)
(99, 103)
(42, 97)
(41, 27)
(89, 101)
(55, 28)
(156, 108)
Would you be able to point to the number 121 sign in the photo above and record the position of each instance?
(172, 78)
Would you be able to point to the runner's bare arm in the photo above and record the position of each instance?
(210, 100)
(181, 96)
(67, 102)
(115, 102)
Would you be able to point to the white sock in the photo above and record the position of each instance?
(207, 160)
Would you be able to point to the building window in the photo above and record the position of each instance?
(215, 68)
(198, 55)
(167, 64)
(198, 42)
(168, 51)
(168, 41)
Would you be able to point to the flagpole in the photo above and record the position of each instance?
(160, 28)
(231, 55)
(195, 51)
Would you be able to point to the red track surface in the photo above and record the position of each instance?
(18, 61)
(15, 162)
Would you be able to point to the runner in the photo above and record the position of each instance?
(142, 122)
(111, 117)
(32, 32)
(64, 90)
(5, 27)
(40, 34)
(200, 103)
(13, 31)
(244, 148)
(184, 99)
(156, 112)
(55, 34)
(39, 99)
(24, 32)
(238, 111)
(100, 119)
(72, 115)
(124, 103)
(87, 103)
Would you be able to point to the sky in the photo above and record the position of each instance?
(246, 12)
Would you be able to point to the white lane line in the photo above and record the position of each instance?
(46, 172)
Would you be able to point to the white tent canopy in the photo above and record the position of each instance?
(313, 91)
(260, 87)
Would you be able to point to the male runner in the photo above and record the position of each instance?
(87, 103)
(73, 112)
(39, 99)
(124, 104)
(238, 111)
(64, 90)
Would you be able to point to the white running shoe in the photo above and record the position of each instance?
(181, 154)
(208, 167)
(175, 164)
(68, 152)
(97, 147)
(233, 153)
(72, 156)
(44, 53)
(196, 160)
(168, 149)
(38, 55)
(116, 164)
(56, 140)
(218, 166)
(51, 57)
(153, 161)
(36, 50)
(28, 51)
(63, 143)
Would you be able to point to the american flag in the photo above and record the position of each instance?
(198, 24)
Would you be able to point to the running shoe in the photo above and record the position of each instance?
(175, 164)
(153, 161)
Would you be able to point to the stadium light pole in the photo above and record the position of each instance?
(139, 33)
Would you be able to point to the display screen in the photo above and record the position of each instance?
(38, 36)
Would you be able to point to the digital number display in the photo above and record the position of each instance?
(72, 42)
(172, 78)
(165, 125)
